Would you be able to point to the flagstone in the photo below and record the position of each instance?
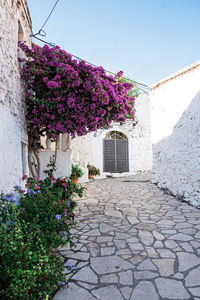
(107, 293)
(181, 237)
(78, 255)
(171, 289)
(158, 244)
(105, 228)
(165, 253)
(86, 274)
(111, 278)
(187, 261)
(195, 292)
(145, 275)
(146, 237)
(94, 232)
(126, 277)
(107, 251)
(147, 265)
(193, 278)
(72, 292)
(143, 291)
(109, 264)
(165, 266)
(158, 235)
(126, 292)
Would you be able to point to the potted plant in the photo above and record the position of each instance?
(92, 171)
(76, 173)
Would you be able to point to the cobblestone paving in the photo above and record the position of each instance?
(134, 242)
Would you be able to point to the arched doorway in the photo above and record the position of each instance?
(115, 152)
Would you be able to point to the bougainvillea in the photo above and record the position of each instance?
(64, 95)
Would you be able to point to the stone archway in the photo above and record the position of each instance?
(115, 152)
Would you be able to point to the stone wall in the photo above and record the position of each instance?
(139, 141)
(13, 146)
(176, 136)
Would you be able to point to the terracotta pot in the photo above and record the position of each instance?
(75, 181)
(90, 176)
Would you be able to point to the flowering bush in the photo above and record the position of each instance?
(32, 222)
(92, 170)
(76, 171)
(62, 94)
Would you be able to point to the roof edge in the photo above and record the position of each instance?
(175, 75)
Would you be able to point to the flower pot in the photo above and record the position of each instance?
(75, 181)
(90, 176)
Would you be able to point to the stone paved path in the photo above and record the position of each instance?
(134, 243)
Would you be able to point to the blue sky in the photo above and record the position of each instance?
(147, 39)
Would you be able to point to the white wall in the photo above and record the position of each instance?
(176, 136)
(139, 141)
(12, 120)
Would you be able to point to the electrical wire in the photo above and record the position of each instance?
(41, 29)
(144, 86)
(79, 58)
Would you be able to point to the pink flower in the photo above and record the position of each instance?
(24, 177)
(52, 84)
(76, 215)
(66, 222)
(36, 188)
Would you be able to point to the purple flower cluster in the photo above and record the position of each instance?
(67, 96)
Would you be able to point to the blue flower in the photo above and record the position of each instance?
(17, 187)
(11, 222)
(11, 197)
(58, 217)
(29, 192)
(4, 197)
(64, 233)
(63, 282)
(68, 265)
(68, 204)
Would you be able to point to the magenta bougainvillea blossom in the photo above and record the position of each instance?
(64, 95)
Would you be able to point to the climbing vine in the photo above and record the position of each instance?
(64, 95)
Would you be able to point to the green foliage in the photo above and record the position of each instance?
(32, 223)
(51, 165)
(92, 170)
(76, 171)
(134, 92)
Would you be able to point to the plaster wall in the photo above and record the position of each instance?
(13, 137)
(176, 136)
(139, 141)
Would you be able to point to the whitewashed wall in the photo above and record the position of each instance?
(176, 136)
(139, 141)
(13, 160)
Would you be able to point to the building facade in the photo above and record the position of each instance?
(121, 150)
(13, 146)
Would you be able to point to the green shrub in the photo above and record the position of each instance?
(32, 223)
(76, 171)
(92, 170)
